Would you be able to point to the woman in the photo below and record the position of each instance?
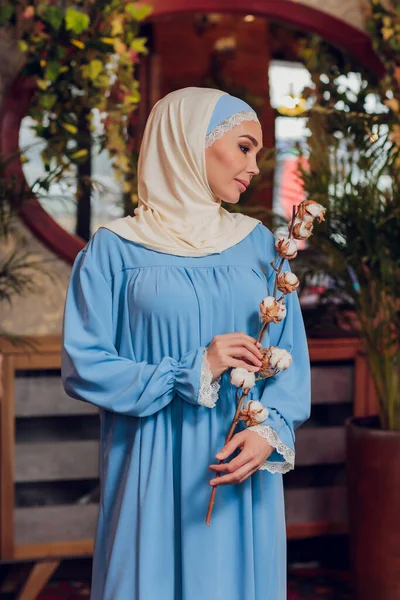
(160, 306)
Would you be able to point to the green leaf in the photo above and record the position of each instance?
(40, 130)
(23, 46)
(6, 12)
(139, 44)
(76, 21)
(52, 70)
(48, 101)
(93, 69)
(138, 12)
(61, 52)
(133, 98)
(78, 154)
(102, 81)
(54, 16)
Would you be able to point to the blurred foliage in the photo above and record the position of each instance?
(82, 55)
(19, 268)
(354, 170)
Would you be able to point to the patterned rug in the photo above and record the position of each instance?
(302, 585)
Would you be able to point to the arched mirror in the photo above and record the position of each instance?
(249, 48)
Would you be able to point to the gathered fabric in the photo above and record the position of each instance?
(177, 212)
(136, 328)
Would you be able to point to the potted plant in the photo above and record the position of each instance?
(354, 170)
(19, 268)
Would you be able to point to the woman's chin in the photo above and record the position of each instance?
(232, 199)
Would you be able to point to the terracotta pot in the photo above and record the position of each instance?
(373, 477)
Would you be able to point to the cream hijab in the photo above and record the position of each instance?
(177, 212)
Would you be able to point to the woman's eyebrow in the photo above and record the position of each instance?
(250, 137)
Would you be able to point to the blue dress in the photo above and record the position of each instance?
(136, 325)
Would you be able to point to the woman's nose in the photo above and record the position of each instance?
(253, 169)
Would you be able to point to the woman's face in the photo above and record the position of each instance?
(231, 161)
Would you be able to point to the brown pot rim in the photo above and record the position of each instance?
(369, 426)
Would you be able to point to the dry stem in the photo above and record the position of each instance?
(247, 390)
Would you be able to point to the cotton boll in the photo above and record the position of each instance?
(253, 413)
(260, 413)
(302, 228)
(297, 221)
(280, 359)
(272, 311)
(268, 301)
(282, 312)
(286, 247)
(274, 360)
(302, 231)
(309, 210)
(242, 378)
(287, 282)
(317, 211)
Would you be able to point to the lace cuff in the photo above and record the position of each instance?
(208, 394)
(272, 438)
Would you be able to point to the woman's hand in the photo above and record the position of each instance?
(233, 350)
(254, 451)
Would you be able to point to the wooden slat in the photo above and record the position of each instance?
(7, 441)
(320, 349)
(331, 384)
(45, 396)
(38, 361)
(311, 505)
(39, 576)
(307, 530)
(333, 349)
(49, 524)
(320, 445)
(53, 549)
(56, 461)
(31, 345)
(68, 530)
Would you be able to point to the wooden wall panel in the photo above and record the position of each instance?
(56, 461)
(316, 505)
(320, 446)
(44, 524)
(39, 397)
(332, 384)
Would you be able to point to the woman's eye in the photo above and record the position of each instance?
(244, 149)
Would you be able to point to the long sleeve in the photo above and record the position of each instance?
(287, 395)
(93, 371)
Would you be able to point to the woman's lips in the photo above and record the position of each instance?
(242, 184)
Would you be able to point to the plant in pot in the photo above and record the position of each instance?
(21, 272)
(354, 170)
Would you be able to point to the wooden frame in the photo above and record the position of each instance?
(17, 99)
(364, 403)
(46, 355)
(41, 353)
(365, 400)
(338, 32)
